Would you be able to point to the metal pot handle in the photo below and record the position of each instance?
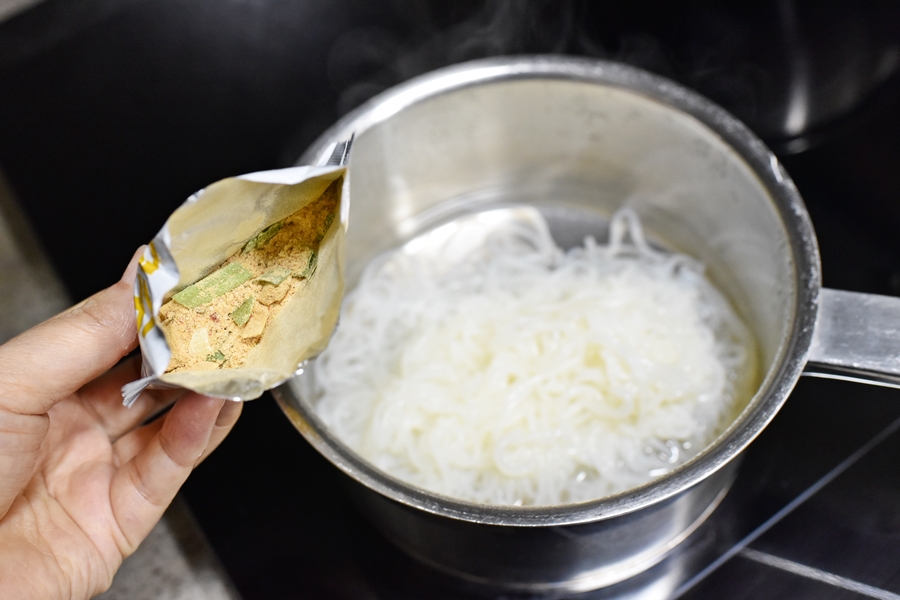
(857, 338)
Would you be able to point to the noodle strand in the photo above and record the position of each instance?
(524, 375)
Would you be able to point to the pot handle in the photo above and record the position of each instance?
(857, 338)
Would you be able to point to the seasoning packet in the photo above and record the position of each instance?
(244, 282)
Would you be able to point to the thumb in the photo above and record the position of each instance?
(48, 363)
(51, 361)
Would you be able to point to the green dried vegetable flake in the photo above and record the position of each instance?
(242, 313)
(328, 221)
(213, 285)
(217, 357)
(310, 266)
(274, 276)
(262, 237)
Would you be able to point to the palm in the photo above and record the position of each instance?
(81, 481)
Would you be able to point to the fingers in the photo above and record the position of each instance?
(130, 444)
(226, 420)
(51, 361)
(159, 457)
(127, 446)
(103, 398)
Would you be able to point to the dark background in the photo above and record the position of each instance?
(113, 112)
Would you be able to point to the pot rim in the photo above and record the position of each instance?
(789, 360)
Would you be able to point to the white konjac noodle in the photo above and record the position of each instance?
(525, 375)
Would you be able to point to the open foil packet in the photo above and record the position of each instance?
(243, 282)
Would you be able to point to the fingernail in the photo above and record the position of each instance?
(131, 269)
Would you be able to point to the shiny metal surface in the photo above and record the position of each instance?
(857, 338)
(577, 139)
(577, 558)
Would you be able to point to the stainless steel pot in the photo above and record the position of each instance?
(578, 139)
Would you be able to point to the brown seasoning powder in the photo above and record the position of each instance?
(207, 337)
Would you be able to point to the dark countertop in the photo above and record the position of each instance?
(112, 113)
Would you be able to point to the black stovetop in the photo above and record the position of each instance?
(113, 111)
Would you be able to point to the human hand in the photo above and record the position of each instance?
(82, 483)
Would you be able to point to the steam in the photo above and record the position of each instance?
(367, 60)
(752, 61)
